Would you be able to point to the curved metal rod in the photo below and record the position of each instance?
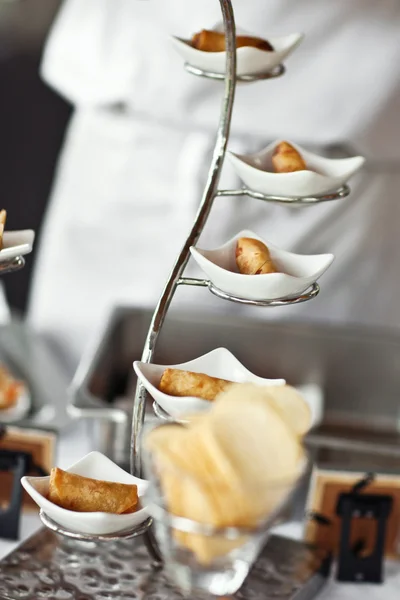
(126, 534)
(310, 293)
(342, 192)
(162, 414)
(12, 265)
(200, 221)
(276, 72)
(194, 281)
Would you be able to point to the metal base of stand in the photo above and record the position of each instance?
(48, 566)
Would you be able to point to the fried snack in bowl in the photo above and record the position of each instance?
(218, 482)
(84, 494)
(176, 382)
(286, 159)
(93, 496)
(253, 257)
(3, 218)
(214, 41)
(10, 389)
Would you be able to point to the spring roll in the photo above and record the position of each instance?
(83, 494)
(3, 217)
(214, 41)
(184, 383)
(286, 159)
(253, 257)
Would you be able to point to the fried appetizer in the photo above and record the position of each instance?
(83, 494)
(3, 217)
(286, 159)
(253, 257)
(10, 389)
(214, 41)
(184, 383)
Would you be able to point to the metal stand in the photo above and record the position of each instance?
(211, 192)
(177, 279)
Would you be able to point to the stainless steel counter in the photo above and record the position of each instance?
(358, 371)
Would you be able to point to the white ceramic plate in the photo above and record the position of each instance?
(19, 410)
(16, 243)
(96, 466)
(219, 363)
(250, 61)
(298, 271)
(326, 174)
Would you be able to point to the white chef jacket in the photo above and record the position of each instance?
(139, 145)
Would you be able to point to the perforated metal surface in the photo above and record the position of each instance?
(47, 567)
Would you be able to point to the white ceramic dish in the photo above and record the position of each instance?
(19, 410)
(250, 61)
(326, 174)
(298, 271)
(16, 243)
(314, 396)
(218, 363)
(96, 466)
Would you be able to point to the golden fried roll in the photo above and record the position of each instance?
(286, 159)
(253, 257)
(184, 383)
(214, 41)
(83, 494)
(3, 217)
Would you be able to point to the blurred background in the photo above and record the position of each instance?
(32, 125)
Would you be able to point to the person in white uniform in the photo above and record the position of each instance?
(139, 144)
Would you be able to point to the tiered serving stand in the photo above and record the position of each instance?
(176, 279)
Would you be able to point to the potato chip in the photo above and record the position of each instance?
(257, 441)
(292, 407)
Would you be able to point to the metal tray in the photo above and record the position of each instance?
(358, 370)
(48, 567)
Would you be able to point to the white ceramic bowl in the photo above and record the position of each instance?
(19, 410)
(16, 243)
(250, 61)
(96, 466)
(298, 271)
(218, 363)
(326, 174)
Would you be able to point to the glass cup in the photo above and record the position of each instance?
(197, 554)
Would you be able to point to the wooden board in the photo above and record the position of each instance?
(326, 486)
